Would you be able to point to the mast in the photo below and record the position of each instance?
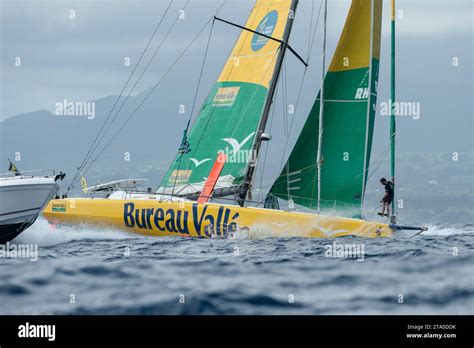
(392, 101)
(268, 103)
(319, 159)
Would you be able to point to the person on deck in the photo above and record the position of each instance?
(388, 196)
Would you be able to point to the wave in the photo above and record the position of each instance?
(443, 230)
(44, 234)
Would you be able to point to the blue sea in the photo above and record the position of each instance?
(91, 271)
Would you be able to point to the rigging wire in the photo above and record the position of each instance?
(310, 46)
(279, 179)
(86, 157)
(194, 101)
(90, 163)
(284, 88)
(251, 98)
(311, 39)
(304, 75)
(148, 94)
(136, 83)
(381, 158)
(285, 93)
(310, 28)
(229, 73)
(315, 29)
(143, 72)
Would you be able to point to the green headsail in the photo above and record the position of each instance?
(349, 111)
(229, 118)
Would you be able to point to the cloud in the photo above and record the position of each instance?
(83, 57)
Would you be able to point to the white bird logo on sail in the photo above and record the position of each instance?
(236, 146)
(198, 163)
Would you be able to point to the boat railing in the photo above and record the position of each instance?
(28, 174)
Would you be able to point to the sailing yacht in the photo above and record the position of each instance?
(22, 197)
(326, 171)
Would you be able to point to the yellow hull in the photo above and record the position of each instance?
(189, 219)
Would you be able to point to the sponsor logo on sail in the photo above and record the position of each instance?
(235, 154)
(225, 96)
(180, 176)
(236, 145)
(362, 93)
(197, 163)
(267, 26)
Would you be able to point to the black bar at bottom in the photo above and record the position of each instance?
(449, 331)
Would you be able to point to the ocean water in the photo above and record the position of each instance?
(86, 271)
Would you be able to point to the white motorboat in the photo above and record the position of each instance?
(22, 197)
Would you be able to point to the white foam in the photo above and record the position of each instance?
(446, 231)
(44, 234)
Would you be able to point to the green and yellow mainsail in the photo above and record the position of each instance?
(229, 117)
(348, 122)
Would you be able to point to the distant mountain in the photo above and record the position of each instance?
(46, 140)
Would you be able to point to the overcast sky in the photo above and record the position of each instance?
(82, 59)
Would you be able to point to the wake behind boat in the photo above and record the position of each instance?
(326, 172)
